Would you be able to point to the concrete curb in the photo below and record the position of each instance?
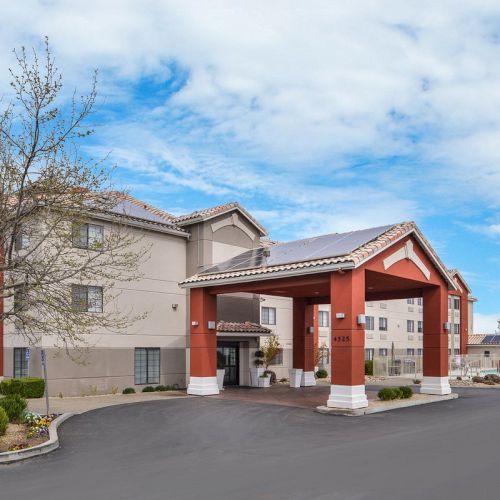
(392, 405)
(52, 444)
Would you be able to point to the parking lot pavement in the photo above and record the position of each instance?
(207, 448)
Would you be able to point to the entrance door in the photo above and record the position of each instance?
(230, 361)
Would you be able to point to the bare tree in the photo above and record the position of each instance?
(49, 192)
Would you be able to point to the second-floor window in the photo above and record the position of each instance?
(268, 316)
(456, 329)
(323, 318)
(382, 352)
(86, 298)
(370, 323)
(410, 301)
(420, 326)
(410, 326)
(19, 298)
(420, 301)
(88, 236)
(382, 324)
(22, 240)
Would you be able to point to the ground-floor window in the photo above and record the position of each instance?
(147, 365)
(382, 352)
(369, 354)
(21, 362)
(410, 351)
(278, 360)
(420, 351)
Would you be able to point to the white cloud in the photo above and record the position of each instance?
(486, 323)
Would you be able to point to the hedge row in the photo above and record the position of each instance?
(390, 393)
(25, 387)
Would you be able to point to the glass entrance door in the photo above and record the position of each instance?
(230, 361)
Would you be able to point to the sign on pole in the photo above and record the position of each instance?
(44, 365)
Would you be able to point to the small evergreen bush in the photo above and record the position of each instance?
(33, 387)
(493, 377)
(368, 367)
(321, 373)
(128, 390)
(28, 387)
(14, 406)
(148, 388)
(161, 388)
(406, 391)
(4, 421)
(478, 380)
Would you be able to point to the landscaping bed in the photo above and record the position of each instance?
(34, 430)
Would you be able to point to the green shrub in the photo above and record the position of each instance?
(389, 393)
(14, 405)
(368, 367)
(128, 390)
(33, 387)
(493, 377)
(321, 373)
(406, 391)
(478, 380)
(28, 387)
(148, 388)
(4, 421)
(161, 388)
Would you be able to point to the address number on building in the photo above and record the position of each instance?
(342, 338)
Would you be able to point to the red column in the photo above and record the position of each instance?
(316, 326)
(347, 295)
(203, 342)
(303, 342)
(435, 341)
(464, 321)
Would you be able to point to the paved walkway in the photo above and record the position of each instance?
(87, 403)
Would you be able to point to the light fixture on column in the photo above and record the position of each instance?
(361, 319)
(340, 315)
(446, 327)
(310, 329)
(211, 325)
(175, 306)
(194, 323)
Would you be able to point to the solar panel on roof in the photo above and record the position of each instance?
(320, 247)
(124, 207)
(491, 340)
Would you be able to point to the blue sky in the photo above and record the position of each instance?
(316, 116)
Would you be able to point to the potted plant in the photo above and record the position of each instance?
(270, 351)
(258, 369)
(265, 379)
(221, 372)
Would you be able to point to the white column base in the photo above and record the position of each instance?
(295, 377)
(435, 385)
(347, 396)
(307, 379)
(203, 386)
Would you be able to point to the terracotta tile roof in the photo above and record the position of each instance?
(475, 339)
(355, 258)
(208, 213)
(246, 327)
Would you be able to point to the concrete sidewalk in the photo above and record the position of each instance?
(87, 403)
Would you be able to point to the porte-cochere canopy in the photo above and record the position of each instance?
(343, 270)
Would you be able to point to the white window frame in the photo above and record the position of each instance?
(323, 319)
(266, 318)
(87, 298)
(410, 326)
(88, 236)
(383, 324)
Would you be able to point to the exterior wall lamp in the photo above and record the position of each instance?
(340, 315)
(310, 329)
(446, 327)
(194, 323)
(361, 319)
(211, 325)
(175, 306)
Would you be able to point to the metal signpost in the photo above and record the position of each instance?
(44, 365)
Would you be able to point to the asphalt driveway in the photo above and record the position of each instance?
(202, 448)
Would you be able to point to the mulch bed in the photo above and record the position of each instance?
(16, 434)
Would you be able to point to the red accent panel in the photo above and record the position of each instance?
(203, 342)
(435, 337)
(347, 337)
(303, 341)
